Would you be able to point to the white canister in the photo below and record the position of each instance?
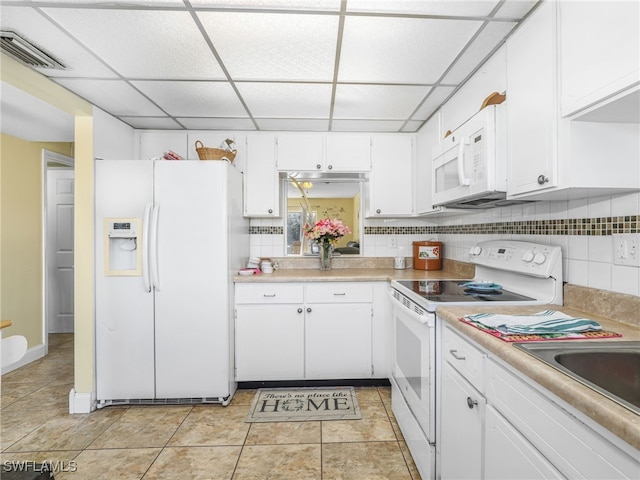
(399, 263)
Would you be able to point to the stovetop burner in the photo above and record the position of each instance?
(449, 291)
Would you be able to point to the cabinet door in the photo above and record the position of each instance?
(390, 185)
(348, 153)
(531, 111)
(298, 153)
(462, 414)
(509, 456)
(594, 66)
(261, 183)
(338, 341)
(269, 342)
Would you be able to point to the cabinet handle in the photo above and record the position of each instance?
(270, 210)
(330, 167)
(318, 166)
(308, 309)
(471, 403)
(542, 179)
(299, 310)
(268, 295)
(339, 294)
(378, 211)
(457, 357)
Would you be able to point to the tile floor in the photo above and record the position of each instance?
(189, 442)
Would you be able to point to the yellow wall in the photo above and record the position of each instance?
(21, 235)
(340, 208)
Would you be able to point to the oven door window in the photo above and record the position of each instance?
(414, 366)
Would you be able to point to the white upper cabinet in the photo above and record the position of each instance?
(261, 183)
(531, 104)
(554, 158)
(324, 153)
(599, 46)
(348, 153)
(391, 178)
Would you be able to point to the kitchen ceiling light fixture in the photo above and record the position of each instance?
(25, 52)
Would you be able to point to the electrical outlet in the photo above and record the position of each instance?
(626, 249)
(392, 241)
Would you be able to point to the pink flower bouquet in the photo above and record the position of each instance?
(326, 231)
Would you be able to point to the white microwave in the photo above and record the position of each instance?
(470, 164)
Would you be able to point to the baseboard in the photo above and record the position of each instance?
(367, 382)
(61, 325)
(32, 354)
(81, 402)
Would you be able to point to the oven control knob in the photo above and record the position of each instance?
(475, 250)
(539, 258)
(528, 256)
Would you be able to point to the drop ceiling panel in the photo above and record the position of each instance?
(401, 50)
(420, 7)
(194, 99)
(298, 100)
(377, 102)
(137, 3)
(274, 46)
(217, 123)
(35, 28)
(113, 96)
(314, 5)
(142, 44)
(491, 36)
(516, 10)
(432, 103)
(152, 123)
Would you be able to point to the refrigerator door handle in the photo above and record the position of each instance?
(153, 247)
(145, 248)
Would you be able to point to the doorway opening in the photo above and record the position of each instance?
(58, 198)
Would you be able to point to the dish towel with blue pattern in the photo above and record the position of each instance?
(546, 322)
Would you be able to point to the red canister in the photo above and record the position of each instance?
(427, 255)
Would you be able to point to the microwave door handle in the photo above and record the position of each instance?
(461, 178)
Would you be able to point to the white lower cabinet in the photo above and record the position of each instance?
(462, 420)
(338, 341)
(509, 456)
(496, 424)
(270, 342)
(319, 331)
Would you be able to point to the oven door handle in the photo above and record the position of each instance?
(422, 319)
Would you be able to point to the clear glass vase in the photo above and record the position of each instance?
(324, 255)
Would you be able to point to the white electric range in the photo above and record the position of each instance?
(507, 272)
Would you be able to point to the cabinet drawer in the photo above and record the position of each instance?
(269, 293)
(339, 292)
(464, 357)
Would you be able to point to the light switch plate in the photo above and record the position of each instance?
(626, 249)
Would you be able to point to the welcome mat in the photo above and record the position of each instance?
(304, 404)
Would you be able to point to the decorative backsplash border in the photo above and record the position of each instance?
(571, 226)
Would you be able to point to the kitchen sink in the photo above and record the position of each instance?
(611, 368)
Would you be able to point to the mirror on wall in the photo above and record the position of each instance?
(313, 199)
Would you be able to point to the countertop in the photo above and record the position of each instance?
(348, 275)
(614, 417)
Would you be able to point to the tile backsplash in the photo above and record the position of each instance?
(583, 228)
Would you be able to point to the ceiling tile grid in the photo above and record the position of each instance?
(317, 65)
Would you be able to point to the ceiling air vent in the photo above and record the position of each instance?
(17, 47)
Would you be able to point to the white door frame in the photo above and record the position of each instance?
(50, 160)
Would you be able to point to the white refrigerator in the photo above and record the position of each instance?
(170, 235)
